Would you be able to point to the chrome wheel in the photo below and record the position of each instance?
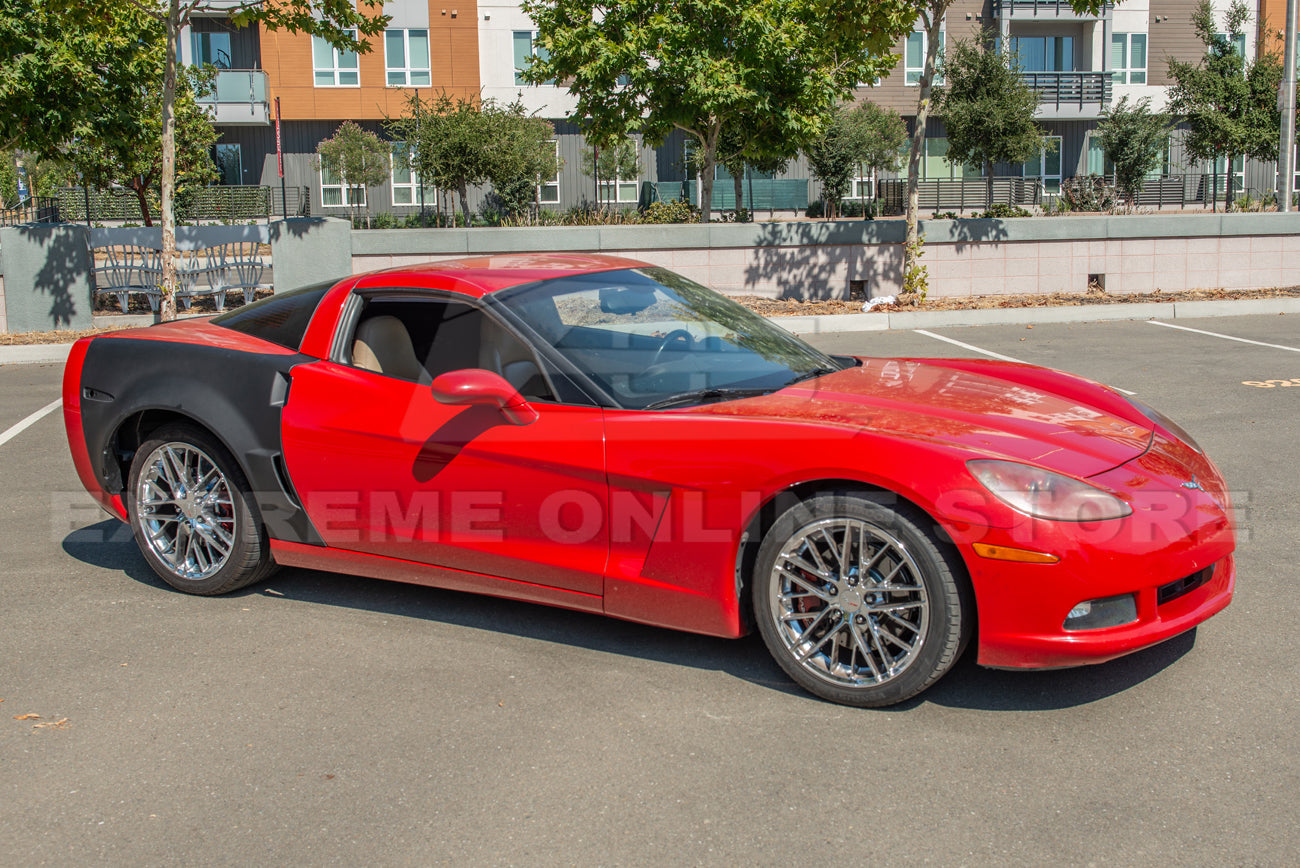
(185, 511)
(849, 602)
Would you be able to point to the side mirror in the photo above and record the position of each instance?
(477, 386)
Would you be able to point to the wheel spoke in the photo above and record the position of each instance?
(890, 608)
(816, 555)
(817, 592)
(815, 646)
(865, 650)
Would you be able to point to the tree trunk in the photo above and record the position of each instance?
(933, 20)
(167, 305)
(738, 182)
(1227, 184)
(706, 184)
(988, 183)
(142, 196)
(464, 202)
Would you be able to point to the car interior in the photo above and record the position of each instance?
(417, 339)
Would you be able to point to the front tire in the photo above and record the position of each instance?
(857, 602)
(193, 515)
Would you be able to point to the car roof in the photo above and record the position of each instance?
(482, 275)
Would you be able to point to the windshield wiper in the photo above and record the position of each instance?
(699, 396)
(815, 372)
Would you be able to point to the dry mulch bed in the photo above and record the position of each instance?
(795, 307)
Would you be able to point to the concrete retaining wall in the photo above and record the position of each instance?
(963, 257)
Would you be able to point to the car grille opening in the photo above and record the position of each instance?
(1172, 591)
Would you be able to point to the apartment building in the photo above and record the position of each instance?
(1078, 64)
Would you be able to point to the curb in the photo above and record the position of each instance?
(877, 322)
(923, 319)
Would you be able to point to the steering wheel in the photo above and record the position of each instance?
(682, 335)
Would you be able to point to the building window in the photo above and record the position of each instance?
(620, 189)
(332, 67)
(1238, 42)
(1044, 53)
(863, 186)
(1047, 166)
(548, 192)
(211, 48)
(1220, 171)
(230, 165)
(331, 191)
(406, 181)
(406, 58)
(914, 58)
(525, 47)
(1128, 58)
(935, 164)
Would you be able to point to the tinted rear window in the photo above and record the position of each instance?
(281, 319)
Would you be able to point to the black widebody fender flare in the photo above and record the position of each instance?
(129, 384)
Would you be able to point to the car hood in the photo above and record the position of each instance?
(1016, 412)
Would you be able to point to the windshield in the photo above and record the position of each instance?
(650, 338)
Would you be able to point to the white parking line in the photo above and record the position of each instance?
(973, 349)
(990, 353)
(1170, 325)
(31, 420)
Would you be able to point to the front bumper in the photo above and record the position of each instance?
(1159, 554)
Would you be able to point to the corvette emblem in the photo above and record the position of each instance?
(1194, 484)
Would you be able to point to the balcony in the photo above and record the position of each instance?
(1044, 10)
(1065, 95)
(238, 98)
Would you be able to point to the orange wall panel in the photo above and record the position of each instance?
(453, 48)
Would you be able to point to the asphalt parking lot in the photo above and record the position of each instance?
(318, 718)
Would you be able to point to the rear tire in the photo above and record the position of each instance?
(193, 515)
(857, 602)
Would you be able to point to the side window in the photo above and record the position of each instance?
(417, 339)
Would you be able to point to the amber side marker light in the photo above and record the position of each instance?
(1020, 556)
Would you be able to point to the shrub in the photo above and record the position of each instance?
(670, 211)
(1003, 210)
(1088, 193)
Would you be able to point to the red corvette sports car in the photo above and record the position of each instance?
(604, 435)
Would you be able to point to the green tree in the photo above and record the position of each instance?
(987, 109)
(357, 157)
(458, 143)
(448, 140)
(833, 158)
(858, 140)
(882, 135)
(43, 176)
(522, 154)
(64, 59)
(1134, 140)
(1230, 106)
(701, 65)
(609, 163)
(931, 14)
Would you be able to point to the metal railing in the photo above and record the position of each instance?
(959, 194)
(239, 96)
(1069, 88)
(1043, 9)
(38, 209)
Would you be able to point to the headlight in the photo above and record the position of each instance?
(1044, 494)
(1165, 422)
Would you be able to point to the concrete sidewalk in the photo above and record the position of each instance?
(870, 322)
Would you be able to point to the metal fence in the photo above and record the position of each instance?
(757, 194)
(959, 194)
(235, 203)
(38, 209)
